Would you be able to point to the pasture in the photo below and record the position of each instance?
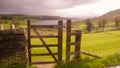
(104, 44)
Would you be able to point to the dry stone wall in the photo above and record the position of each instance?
(13, 47)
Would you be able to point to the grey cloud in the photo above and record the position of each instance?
(38, 6)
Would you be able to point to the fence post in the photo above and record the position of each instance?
(28, 39)
(68, 40)
(60, 39)
(12, 26)
(77, 44)
(1, 27)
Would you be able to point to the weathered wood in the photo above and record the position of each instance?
(73, 43)
(73, 53)
(60, 38)
(45, 62)
(45, 44)
(77, 44)
(73, 34)
(29, 41)
(45, 26)
(49, 45)
(68, 39)
(45, 36)
(1, 27)
(12, 26)
(43, 54)
(89, 54)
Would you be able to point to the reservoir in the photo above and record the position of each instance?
(48, 22)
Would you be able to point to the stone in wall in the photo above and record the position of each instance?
(13, 47)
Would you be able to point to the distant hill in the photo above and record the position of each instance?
(111, 15)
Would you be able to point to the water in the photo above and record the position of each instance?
(48, 22)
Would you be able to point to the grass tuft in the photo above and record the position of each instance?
(111, 60)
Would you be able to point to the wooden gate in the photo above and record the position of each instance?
(75, 55)
(76, 44)
(36, 28)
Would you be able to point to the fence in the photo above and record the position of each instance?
(44, 43)
(37, 29)
(76, 44)
(11, 27)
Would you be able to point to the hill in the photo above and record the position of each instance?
(111, 15)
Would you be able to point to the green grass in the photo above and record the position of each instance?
(103, 44)
(22, 24)
(108, 61)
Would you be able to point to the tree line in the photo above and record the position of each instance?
(102, 23)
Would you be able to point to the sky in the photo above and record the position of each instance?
(64, 8)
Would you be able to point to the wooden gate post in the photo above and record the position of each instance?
(77, 44)
(68, 40)
(12, 26)
(60, 39)
(1, 27)
(28, 39)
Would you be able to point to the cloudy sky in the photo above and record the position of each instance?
(67, 8)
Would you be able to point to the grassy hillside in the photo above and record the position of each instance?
(102, 44)
(111, 15)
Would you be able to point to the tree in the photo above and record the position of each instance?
(89, 25)
(102, 23)
(117, 21)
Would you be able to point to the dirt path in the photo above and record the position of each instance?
(46, 66)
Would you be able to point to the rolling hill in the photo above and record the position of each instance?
(111, 15)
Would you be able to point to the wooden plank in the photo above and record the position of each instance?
(68, 39)
(73, 53)
(45, 44)
(12, 26)
(60, 39)
(77, 43)
(72, 34)
(1, 27)
(45, 26)
(49, 45)
(89, 54)
(46, 62)
(45, 36)
(73, 43)
(29, 41)
(43, 54)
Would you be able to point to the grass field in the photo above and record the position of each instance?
(103, 44)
